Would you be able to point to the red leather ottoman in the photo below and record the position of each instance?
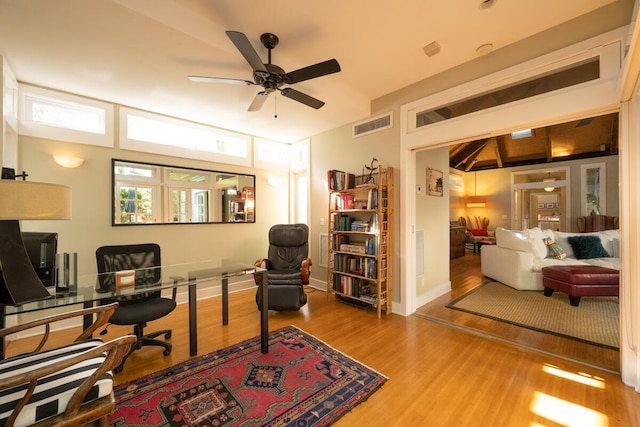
(580, 280)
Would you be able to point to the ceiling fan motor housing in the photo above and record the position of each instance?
(273, 80)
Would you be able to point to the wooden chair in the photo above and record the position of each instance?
(69, 385)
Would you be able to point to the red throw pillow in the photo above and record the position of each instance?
(479, 232)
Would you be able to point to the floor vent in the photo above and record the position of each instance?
(374, 124)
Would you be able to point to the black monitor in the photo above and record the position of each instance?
(41, 248)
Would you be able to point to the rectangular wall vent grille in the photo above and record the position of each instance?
(373, 125)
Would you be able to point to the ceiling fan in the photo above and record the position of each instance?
(271, 77)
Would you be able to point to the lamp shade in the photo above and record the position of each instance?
(34, 200)
(476, 202)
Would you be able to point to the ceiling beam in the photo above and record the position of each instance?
(549, 144)
(469, 151)
(499, 148)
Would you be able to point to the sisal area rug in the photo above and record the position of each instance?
(595, 321)
(301, 382)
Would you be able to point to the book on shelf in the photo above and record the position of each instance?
(339, 180)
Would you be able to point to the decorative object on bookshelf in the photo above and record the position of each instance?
(368, 178)
(359, 254)
(434, 182)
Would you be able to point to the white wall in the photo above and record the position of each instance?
(432, 216)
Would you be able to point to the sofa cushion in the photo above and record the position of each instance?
(554, 249)
(478, 232)
(616, 248)
(510, 239)
(586, 247)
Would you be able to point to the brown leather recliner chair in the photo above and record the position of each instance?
(287, 265)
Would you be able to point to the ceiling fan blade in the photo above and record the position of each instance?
(312, 71)
(258, 101)
(301, 97)
(246, 49)
(205, 79)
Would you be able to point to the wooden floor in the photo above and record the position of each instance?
(438, 375)
(465, 275)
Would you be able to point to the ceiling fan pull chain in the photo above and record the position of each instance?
(275, 106)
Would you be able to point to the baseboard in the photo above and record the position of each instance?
(432, 294)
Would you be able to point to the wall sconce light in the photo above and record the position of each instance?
(549, 179)
(68, 161)
(273, 181)
(476, 201)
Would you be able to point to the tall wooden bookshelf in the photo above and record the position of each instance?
(360, 236)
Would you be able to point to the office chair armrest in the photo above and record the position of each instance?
(261, 263)
(103, 312)
(305, 272)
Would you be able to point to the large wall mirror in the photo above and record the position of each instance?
(147, 193)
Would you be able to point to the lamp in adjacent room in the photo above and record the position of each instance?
(20, 200)
(549, 189)
(476, 201)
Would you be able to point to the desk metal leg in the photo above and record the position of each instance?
(225, 301)
(264, 314)
(193, 319)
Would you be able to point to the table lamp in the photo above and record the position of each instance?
(25, 200)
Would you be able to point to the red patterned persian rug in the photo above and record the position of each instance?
(301, 382)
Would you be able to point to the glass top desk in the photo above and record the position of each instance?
(92, 288)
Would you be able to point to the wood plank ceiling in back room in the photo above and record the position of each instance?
(578, 139)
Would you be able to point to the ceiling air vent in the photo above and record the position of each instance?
(373, 124)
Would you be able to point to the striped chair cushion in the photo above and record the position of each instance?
(591, 223)
(52, 393)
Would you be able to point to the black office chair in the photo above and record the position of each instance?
(287, 265)
(137, 309)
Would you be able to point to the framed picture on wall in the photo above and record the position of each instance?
(550, 205)
(434, 182)
(540, 205)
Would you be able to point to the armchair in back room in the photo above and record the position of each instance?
(591, 223)
(477, 233)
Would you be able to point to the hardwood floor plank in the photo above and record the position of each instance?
(438, 375)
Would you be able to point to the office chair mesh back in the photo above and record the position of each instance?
(138, 261)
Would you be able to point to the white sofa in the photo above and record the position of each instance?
(517, 257)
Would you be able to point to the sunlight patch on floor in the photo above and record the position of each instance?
(566, 413)
(579, 377)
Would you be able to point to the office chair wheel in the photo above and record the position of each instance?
(167, 335)
(167, 351)
(118, 369)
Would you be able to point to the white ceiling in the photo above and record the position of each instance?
(139, 52)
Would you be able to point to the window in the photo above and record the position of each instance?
(578, 73)
(148, 132)
(271, 155)
(54, 115)
(301, 199)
